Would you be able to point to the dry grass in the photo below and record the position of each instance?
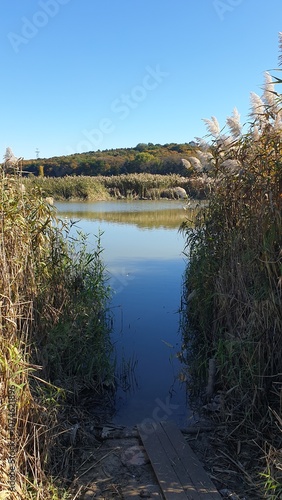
(235, 313)
(44, 283)
(126, 186)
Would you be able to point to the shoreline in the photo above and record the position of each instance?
(123, 187)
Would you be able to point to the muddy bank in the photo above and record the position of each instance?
(112, 463)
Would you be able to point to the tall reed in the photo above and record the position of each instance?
(125, 186)
(235, 272)
(53, 330)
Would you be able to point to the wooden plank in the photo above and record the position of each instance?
(184, 476)
(177, 468)
(166, 476)
(191, 463)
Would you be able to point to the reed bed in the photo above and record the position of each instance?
(233, 289)
(125, 186)
(69, 188)
(54, 340)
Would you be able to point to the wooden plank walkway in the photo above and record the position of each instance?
(178, 470)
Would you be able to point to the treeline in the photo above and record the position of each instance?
(144, 158)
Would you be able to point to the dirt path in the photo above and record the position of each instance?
(109, 462)
(114, 464)
(118, 468)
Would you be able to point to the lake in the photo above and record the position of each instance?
(143, 254)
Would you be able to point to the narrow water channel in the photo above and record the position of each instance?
(143, 254)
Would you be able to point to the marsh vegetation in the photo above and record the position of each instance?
(233, 289)
(130, 186)
(54, 334)
(54, 340)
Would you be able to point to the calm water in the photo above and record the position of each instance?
(144, 260)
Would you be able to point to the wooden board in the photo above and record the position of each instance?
(178, 470)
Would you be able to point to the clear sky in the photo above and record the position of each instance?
(82, 75)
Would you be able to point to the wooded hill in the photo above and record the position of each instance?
(144, 158)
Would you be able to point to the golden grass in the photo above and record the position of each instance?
(235, 272)
(43, 282)
(125, 186)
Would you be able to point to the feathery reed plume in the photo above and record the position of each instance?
(206, 159)
(255, 133)
(234, 124)
(204, 156)
(234, 271)
(257, 106)
(232, 166)
(186, 163)
(277, 124)
(196, 164)
(280, 48)
(9, 154)
(224, 141)
(269, 93)
(212, 126)
(48, 289)
(204, 145)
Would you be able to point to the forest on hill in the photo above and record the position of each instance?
(144, 158)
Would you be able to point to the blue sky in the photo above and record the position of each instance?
(81, 75)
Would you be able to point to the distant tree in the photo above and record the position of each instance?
(180, 148)
(141, 158)
(141, 146)
(41, 171)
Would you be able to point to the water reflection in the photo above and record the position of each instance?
(143, 214)
(145, 264)
(147, 330)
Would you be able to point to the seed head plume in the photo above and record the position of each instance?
(280, 49)
(231, 166)
(234, 124)
(224, 142)
(8, 154)
(9, 157)
(204, 157)
(212, 126)
(186, 163)
(269, 90)
(257, 106)
(202, 143)
(255, 133)
(196, 164)
(277, 124)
